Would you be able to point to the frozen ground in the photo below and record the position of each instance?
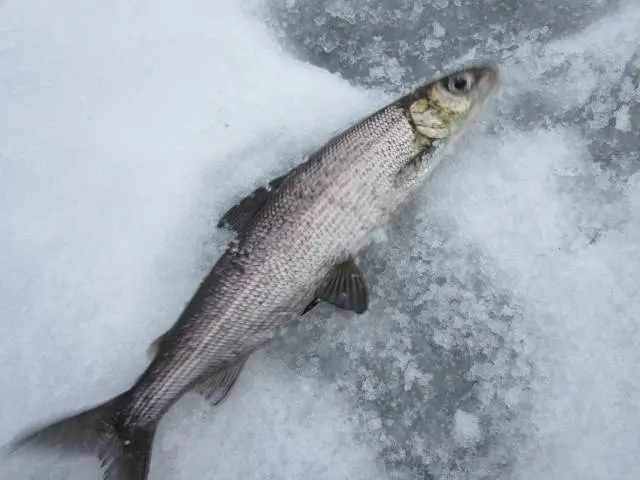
(502, 339)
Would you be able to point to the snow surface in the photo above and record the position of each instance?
(503, 336)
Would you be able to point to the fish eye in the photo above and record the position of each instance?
(460, 83)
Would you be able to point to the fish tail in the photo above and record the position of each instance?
(124, 451)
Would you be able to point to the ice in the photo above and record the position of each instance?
(438, 30)
(623, 121)
(502, 335)
(580, 294)
(562, 233)
(466, 428)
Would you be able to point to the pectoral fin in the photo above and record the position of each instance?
(344, 288)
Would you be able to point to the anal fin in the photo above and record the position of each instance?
(344, 288)
(216, 385)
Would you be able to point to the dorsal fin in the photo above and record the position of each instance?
(241, 214)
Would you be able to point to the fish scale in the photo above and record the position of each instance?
(294, 247)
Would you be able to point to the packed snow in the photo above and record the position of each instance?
(503, 334)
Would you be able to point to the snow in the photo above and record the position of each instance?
(127, 129)
(502, 335)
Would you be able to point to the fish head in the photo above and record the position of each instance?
(442, 108)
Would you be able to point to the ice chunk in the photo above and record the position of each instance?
(438, 30)
(623, 120)
(466, 428)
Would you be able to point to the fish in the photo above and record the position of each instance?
(295, 244)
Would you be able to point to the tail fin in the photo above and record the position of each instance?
(124, 452)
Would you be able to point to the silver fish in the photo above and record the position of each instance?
(294, 247)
